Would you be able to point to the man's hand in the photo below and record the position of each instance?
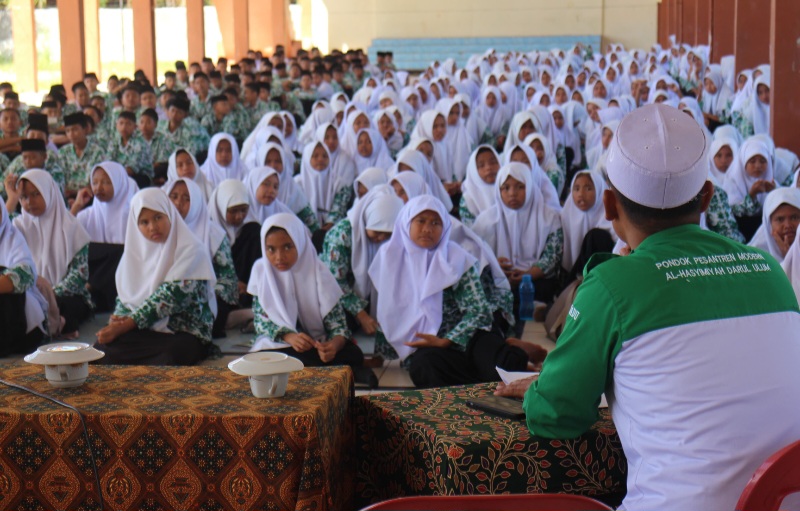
(516, 388)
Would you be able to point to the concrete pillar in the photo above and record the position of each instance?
(91, 29)
(234, 24)
(723, 18)
(195, 30)
(703, 22)
(260, 16)
(688, 21)
(73, 47)
(280, 23)
(24, 29)
(144, 37)
(785, 68)
(751, 39)
(676, 19)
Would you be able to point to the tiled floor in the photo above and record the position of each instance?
(391, 377)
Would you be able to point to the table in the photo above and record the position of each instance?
(429, 442)
(174, 438)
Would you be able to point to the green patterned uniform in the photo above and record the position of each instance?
(309, 218)
(748, 207)
(241, 122)
(74, 282)
(213, 126)
(337, 254)
(467, 218)
(77, 168)
(161, 147)
(719, 217)
(199, 108)
(227, 286)
(550, 258)
(341, 203)
(190, 135)
(136, 154)
(335, 323)
(51, 165)
(501, 300)
(465, 309)
(21, 278)
(184, 301)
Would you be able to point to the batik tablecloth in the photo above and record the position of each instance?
(169, 438)
(430, 443)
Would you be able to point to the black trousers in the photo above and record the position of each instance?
(103, 261)
(350, 355)
(146, 347)
(596, 241)
(13, 325)
(223, 310)
(441, 367)
(748, 225)
(74, 311)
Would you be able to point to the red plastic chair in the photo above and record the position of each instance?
(526, 502)
(776, 478)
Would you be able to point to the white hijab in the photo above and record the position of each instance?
(458, 142)
(442, 161)
(216, 173)
(763, 237)
(411, 280)
(14, 252)
(518, 235)
(318, 117)
(716, 175)
(289, 193)
(497, 117)
(320, 186)
(377, 211)
(54, 237)
(369, 179)
(228, 194)
(791, 265)
(380, 156)
(306, 292)
(106, 221)
(737, 182)
(250, 146)
(413, 184)
(577, 223)
(540, 179)
(198, 219)
(199, 177)
(478, 195)
(259, 211)
(419, 164)
(145, 265)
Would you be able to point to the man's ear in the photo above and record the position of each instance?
(611, 205)
(708, 193)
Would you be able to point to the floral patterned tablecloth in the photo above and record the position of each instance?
(429, 442)
(170, 438)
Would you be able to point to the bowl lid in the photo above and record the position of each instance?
(265, 363)
(61, 353)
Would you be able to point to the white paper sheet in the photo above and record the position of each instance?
(509, 376)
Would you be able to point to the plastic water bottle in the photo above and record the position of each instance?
(526, 294)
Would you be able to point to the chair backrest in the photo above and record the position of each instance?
(776, 478)
(526, 502)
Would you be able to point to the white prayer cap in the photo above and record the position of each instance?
(657, 157)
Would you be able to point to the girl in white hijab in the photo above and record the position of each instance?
(263, 185)
(296, 301)
(583, 212)
(525, 154)
(748, 181)
(371, 151)
(329, 194)
(414, 160)
(223, 160)
(407, 185)
(269, 119)
(106, 219)
(523, 231)
(432, 126)
(716, 96)
(341, 162)
(183, 164)
(522, 125)
(721, 157)
(477, 191)
(350, 248)
(545, 156)
(289, 192)
(348, 137)
(188, 200)
(791, 265)
(368, 179)
(58, 243)
(22, 306)
(757, 112)
(779, 222)
(317, 118)
(166, 282)
(495, 114)
(432, 309)
(389, 129)
(457, 141)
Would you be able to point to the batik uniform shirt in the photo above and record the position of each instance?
(51, 165)
(199, 108)
(21, 278)
(77, 168)
(467, 218)
(74, 282)
(184, 301)
(190, 135)
(501, 300)
(465, 310)
(136, 154)
(227, 286)
(309, 218)
(213, 126)
(337, 256)
(335, 324)
(161, 147)
(719, 217)
(550, 258)
(748, 207)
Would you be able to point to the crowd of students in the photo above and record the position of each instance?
(325, 195)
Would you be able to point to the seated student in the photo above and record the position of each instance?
(747, 183)
(477, 191)
(105, 221)
(229, 208)
(524, 232)
(58, 243)
(791, 265)
(329, 194)
(289, 193)
(341, 162)
(188, 199)
(10, 132)
(223, 160)
(219, 119)
(22, 306)
(547, 159)
(129, 148)
(408, 185)
(583, 219)
(180, 131)
(416, 161)
(164, 314)
(441, 325)
(350, 247)
(371, 151)
(780, 218)
(263, 185)
(182, 164)
(34, 156)
(160, 147)
(525, 154)
(296, 301)
(369, 178)
(80, 155)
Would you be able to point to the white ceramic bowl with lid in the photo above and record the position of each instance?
(268, 372)
(66, 364)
